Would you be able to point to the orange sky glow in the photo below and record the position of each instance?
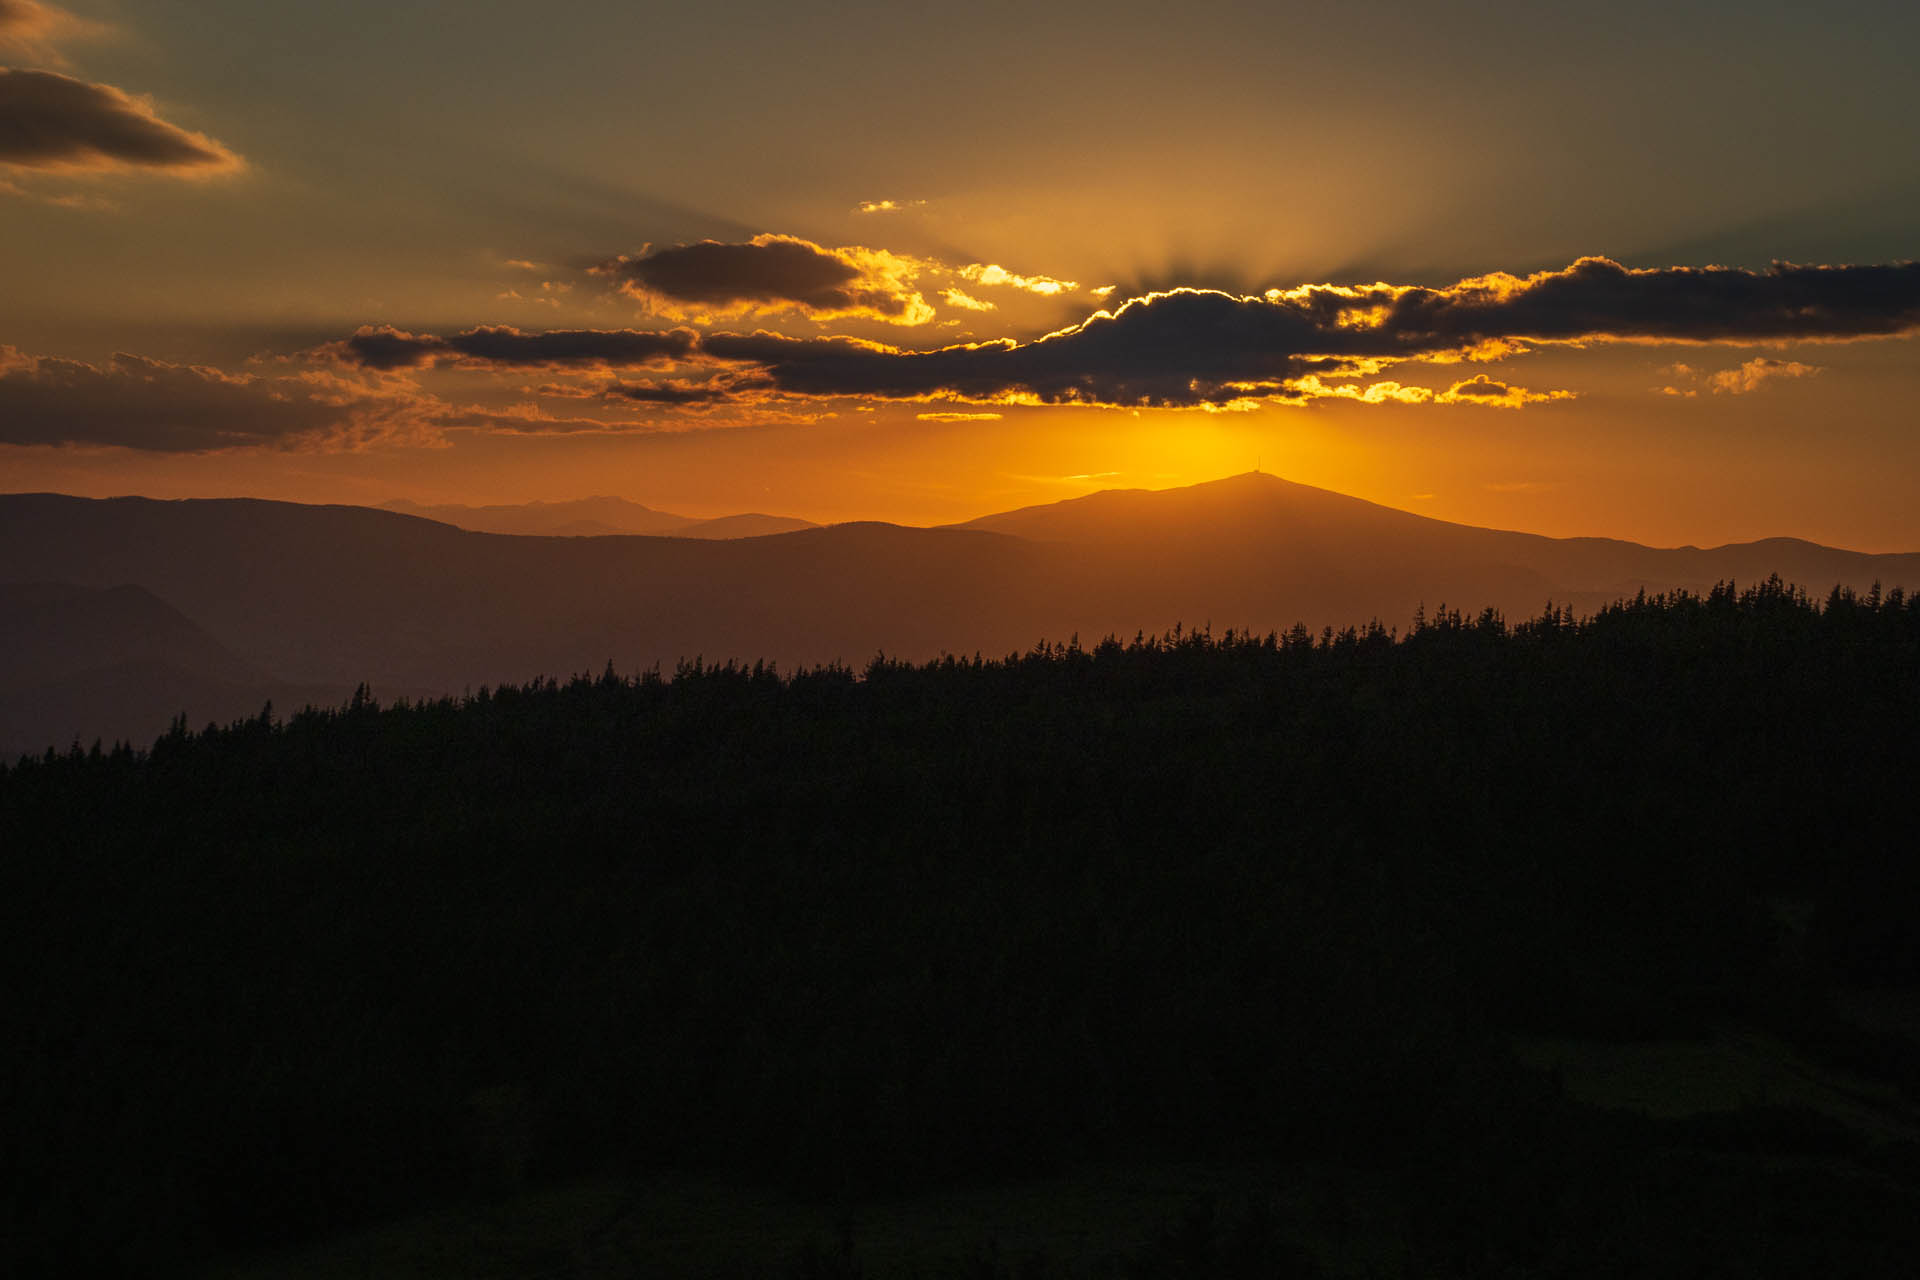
(739, 286)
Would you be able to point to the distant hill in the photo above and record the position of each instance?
(338, 594)
(330, 596)
(596, 517)
(118, 664)
(1255, 549)
(52, 630)
(752, 524)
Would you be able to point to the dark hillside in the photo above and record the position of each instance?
(1231, 900)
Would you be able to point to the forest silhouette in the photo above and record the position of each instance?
(1274, 898)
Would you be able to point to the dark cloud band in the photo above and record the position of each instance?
(1189, 347)
(50, 121)
(503, 347)
(1596, 298)
(1195, 347)
(139, 403)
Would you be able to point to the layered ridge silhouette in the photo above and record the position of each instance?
(597, 517)
(327, 597)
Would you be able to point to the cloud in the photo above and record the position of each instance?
(955, 298)
(526, 420)
(1480, 389)
(680, 392)
(1750, 376)
(33, 31)
(530, 419)
(381, 347)
(1741, 380)
(1312, 387)
(772, 273)
(153, 405)
(887, 206)
(959, 417)
(53, 122)
(983, 273)
(63, 200)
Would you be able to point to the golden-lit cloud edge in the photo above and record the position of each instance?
(1743, 379)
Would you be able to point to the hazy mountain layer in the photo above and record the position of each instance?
(118, 663)
(329, 596)
(597, 517)
(1254, 548)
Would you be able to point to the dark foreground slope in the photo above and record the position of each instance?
(1262, 905)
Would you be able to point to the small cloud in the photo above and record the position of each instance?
(1480, 389)
(1101, 291)
(680, 393)
(1312, 387)
(1421, 497)
(63, 200)
(521, 264)
(772, 273)
(956, 298)
(986, 274)
(959, 417)
(887, 206)
(1685, 393)
(1752, 375)
(514, 295)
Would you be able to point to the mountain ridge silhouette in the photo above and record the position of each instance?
(326, 597)
(596, 517)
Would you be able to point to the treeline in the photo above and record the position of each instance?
(1189, 897)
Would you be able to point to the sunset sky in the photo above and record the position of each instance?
(1633, 269)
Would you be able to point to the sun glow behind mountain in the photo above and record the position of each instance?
(1692, 324)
